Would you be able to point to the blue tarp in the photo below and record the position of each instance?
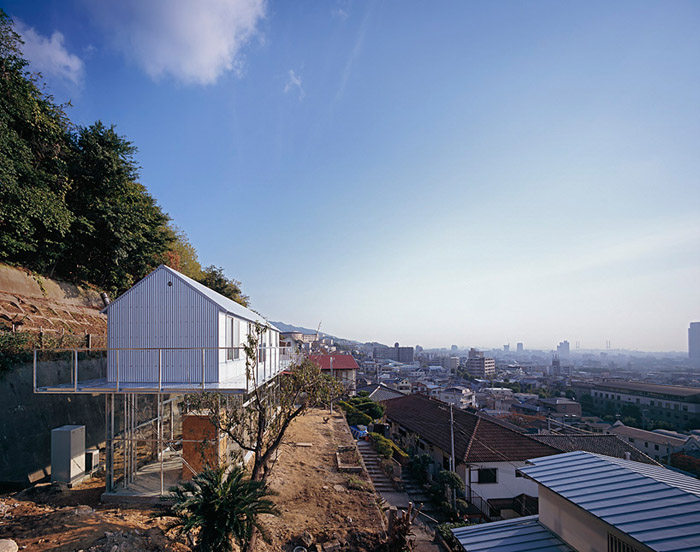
(359, 432)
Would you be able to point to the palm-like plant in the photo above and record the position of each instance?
(224, 505)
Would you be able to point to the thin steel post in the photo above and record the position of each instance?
(160, 440)
(204, 364)
(172, 420)
(160, 369)
(134, 444)
(111, 446)
(34, 372)
(75, 367)
(106, 442)
(124, 438)
(117, 352)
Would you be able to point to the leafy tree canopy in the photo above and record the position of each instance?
(71, 204)
(213, 277)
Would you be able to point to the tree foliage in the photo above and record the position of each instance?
(34, 154)
(223, 505)
(182, 256)
(213, 277)
(119, 233)
(71, 203)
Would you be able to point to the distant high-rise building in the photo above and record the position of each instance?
(563, 349)
(479, 366)
(506, 348)
(454, 347)
(694, 344)
(556, 365)
(519, 348)
(399, 354)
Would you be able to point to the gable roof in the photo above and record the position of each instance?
(609, 445)
(379, 392)
(224, 303)
(340, 362)
(511, 535)
(644, 435)
(656, 506)
(477, 438)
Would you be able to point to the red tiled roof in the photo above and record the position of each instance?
(477, 438)
(340, 362)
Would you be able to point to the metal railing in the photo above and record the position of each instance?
(157, 369)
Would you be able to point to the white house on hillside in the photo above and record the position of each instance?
(171, 331)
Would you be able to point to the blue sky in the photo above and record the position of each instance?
(476, 173)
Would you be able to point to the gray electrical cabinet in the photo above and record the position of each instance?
(68, 453)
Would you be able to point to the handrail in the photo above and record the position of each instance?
(268, 366)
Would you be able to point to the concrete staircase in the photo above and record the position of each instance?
(418, 495)
(381, 481)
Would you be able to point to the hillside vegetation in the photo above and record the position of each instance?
(71, 204)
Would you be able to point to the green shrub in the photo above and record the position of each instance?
(358, 484)
(418, 467)
(224, 507)
(368, 406)
(355, 417)
(444, 530)
(382, 445)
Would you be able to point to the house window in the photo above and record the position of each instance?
(487, 475)
(630, 439)
(656, 447)
(445, 462)
(233, 338)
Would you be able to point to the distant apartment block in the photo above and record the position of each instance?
(563, 349)
(694, 344)
(519, 348)
(479, 366)
(399, 354)
(675, 404)
(659, 444)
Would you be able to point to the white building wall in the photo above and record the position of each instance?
(507, 484)
(155, 314)
(577, 527)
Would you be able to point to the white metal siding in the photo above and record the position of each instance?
(154, 314)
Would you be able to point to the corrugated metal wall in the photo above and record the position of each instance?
(155, 314)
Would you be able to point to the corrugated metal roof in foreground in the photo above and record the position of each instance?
(656, 506)
(524, 534)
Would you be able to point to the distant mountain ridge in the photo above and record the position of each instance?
(284, 327)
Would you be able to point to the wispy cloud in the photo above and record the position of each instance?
(193, 42)
(49, 56)
(357, 48)
(294, 83)
(341, 10)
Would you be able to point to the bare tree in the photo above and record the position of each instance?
(257, 421)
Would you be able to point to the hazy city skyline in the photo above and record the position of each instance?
(467, 173)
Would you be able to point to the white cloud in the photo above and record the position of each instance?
(341, 10)
(192, 41)
(49, 55)
(294, 83)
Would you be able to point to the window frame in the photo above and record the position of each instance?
(485, 471)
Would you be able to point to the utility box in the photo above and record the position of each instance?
(68, 453)
(92, 460)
